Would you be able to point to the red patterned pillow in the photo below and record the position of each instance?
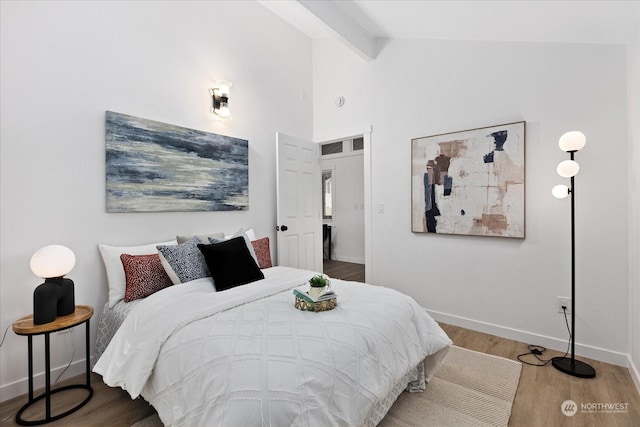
(263, 253)
(145, 275)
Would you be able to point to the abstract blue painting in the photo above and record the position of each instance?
(158, 167)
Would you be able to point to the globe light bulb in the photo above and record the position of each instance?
(52, 261)
(568, 168)
(560, 191)
(572, 141)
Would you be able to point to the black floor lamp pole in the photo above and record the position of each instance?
(570, 365)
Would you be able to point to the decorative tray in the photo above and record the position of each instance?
(325, 305)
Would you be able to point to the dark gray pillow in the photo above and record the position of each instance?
(183, 262)
(230, 263)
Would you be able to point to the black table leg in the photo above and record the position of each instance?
(87, 338)
(30, 340)
(48, 392)
(47, 371)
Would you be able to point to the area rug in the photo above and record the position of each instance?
(469, 389)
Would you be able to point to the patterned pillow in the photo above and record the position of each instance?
(113, 265)
(184, 262)
(144, 276)
(263, 253)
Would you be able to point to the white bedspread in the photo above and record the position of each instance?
(246, 357)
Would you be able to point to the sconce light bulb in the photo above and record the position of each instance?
(572, 141)
(568, 168)
(52, 261)
(560, 191)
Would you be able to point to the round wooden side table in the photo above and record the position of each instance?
(25, 326)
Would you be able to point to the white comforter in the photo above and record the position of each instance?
(246, 357)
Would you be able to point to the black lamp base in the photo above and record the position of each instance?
(55, 297)
(575, 367)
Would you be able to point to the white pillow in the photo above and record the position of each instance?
(115, 271)
(251, 234)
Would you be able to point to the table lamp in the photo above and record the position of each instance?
(54, 297)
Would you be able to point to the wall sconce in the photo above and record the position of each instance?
(220, 99)
(54, 297)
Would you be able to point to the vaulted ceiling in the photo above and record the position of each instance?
(365, 24)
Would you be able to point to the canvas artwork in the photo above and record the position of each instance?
(470, 182)
(153, 166)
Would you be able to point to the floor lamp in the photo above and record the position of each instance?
(571, 142)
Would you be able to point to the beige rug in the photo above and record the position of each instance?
(470, 389)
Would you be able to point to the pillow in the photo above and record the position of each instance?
(250, 234)
(145, 276)
(183, 262)
(263, 253)
(230, 263)
(247, 241)
(113, 266)
(203, 237)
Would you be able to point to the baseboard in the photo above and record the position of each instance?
(21, 386)
(347, 259)
(596, 353)
(635, 374)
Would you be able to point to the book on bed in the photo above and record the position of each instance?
(308, 298)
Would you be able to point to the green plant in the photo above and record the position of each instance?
(319, 281)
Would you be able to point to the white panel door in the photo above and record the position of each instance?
(298, 203)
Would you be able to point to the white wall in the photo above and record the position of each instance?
(634, 202)
(347, 232)
(64, 64)
(504, 286)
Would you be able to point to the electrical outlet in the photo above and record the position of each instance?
(564, 301)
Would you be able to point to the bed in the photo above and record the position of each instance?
(246, 357)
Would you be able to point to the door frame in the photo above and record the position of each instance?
(368, 199)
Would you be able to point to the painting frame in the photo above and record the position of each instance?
(158, 167)
(470, 182)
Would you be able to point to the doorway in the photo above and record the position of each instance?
(342, 167)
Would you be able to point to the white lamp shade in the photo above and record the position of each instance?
(568, 168)
(52, 261)
(224, 110)
(572, 141)
(223, 87)
(560, 191)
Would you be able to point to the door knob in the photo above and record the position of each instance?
(282, 228)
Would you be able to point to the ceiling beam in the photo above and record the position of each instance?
(346, 26)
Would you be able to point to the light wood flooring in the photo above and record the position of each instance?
(540, 393)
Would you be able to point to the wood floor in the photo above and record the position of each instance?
(344, 270)
(541, 390)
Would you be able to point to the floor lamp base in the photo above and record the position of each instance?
(575, 368)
